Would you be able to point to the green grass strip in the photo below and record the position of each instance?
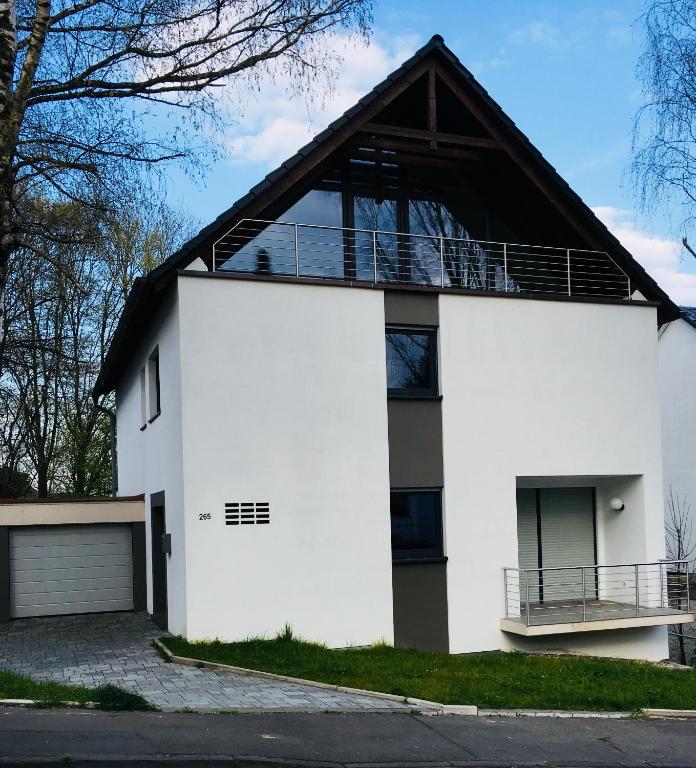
(107, 697)
(489, 680)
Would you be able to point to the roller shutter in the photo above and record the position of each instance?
(66, 569)
(527, 541)
(567, 539)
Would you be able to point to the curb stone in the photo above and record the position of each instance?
(560, 713)
(434, 710)
(40, 703)
(420, 703)
(685, 714)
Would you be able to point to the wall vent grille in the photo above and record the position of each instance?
(247, 513)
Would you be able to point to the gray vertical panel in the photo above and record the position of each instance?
(4, 573)
(139, 568)
(420, 606)
(415, 461)
(404, 308)
(415, 443)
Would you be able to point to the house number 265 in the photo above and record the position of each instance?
(205, 516)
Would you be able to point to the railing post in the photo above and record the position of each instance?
(662, 587)
(568, 262)
(374, 252)
(526, 579)
(637, 591)
(688, 589)
(505, 582)
(584, 605)
(505, 266)
(442, 262)
(297, 253)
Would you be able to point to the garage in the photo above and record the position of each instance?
(64, 569)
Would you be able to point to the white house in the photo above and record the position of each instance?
(677, 362)
(356, 404)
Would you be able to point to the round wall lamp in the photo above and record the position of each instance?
(616, 504)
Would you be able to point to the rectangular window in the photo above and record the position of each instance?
(411, 362)
(154, 384)
(416, 525)
(143, 399)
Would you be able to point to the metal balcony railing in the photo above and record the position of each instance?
(373, 256)
(571, 594)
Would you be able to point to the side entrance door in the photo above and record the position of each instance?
(159, 560)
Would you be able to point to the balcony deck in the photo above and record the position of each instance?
(565, 616)
(589, 598)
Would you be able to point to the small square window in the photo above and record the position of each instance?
(153, 384)
(411, 362)
(416, 525)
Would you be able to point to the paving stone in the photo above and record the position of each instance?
(117, 648)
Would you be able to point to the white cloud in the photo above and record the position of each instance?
(495, 62)
(661, 257)
(274, 127)
(537, 33)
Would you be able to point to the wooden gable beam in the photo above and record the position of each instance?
(405, 146)
(437, 159)
(437, 136)
(432, 106)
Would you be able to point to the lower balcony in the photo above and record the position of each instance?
(587, 598)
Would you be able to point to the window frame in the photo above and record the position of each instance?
(153, 377)
(417, 393)
(432, 555)
(142, 382)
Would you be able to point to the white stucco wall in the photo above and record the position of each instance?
(543, 389)
(150, 460)
(276, 392)
(677, 354)
(284, 392)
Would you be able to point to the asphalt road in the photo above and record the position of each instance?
(31, 737)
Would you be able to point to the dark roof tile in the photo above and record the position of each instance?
(689, 315)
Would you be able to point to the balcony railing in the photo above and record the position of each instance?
(373, 256)
(536, 597)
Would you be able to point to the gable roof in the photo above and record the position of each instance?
(147, 291)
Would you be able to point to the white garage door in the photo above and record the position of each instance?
(70, 569)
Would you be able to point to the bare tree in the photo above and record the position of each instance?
(85, 84)
(664, 135)
(58, 331)
(680, 545)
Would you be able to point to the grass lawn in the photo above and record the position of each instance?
(108, 697)
(497, 679)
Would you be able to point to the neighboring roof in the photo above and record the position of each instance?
(147, 291)
(689, 315)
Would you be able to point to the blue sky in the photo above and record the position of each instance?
(564, 72)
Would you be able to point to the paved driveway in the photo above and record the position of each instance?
(117, 648)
